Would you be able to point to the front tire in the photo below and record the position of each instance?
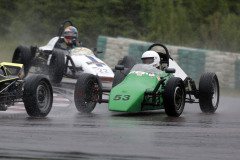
(86, 93)
(37, 96)
(208, 92)
(174, 97)
(57, 66)
(22, 55)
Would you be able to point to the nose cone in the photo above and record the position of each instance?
(126, 98)
(129, 94)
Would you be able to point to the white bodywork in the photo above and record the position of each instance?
(179, 72)
(85, 58)
(50, 45)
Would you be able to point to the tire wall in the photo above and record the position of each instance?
(193, 61)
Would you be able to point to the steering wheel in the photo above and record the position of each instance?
(161, 45)
(165, 56)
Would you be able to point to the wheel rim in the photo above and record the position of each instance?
(214, 93)
(178, 98)
(92, 91)
(43, 96)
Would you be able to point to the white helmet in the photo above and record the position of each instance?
(151, 57)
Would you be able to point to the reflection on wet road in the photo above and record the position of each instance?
(68, 134)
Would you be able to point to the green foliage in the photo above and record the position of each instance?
(202, 24)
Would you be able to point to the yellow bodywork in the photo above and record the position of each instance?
(6, 77)
(11, 64)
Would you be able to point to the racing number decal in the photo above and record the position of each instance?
(117, 97)
(126, 97)
(121, 97)
(102, 70)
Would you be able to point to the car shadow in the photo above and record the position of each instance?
(159, 116)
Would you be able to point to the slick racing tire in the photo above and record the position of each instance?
(127, 62)
(87, 92)
(208, 92)
(174, 97)
(57, 66)
(119, 76)
(37, 95)
(22, 55)
(120, 62)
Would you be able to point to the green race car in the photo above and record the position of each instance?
(35, 90)
(143, 87)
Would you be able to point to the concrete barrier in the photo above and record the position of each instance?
(193, 61)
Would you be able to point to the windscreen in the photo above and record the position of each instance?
(146, 68)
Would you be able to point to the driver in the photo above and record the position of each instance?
(151, 58)
(70, 35)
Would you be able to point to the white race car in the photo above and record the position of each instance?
(57, 61)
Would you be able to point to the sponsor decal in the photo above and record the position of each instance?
(151, 75)
(81, 51)
(139, 73)
(94, 61)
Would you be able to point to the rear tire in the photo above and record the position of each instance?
(128, 61)
(86, 93)
(119, 76)
(37, 96)
(22, 55)
(208, 92)
(57, 66)
(174, 97)
(120, 62)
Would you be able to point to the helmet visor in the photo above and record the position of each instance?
(69, 35)
(148, 60)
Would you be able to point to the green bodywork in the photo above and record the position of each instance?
(129, 94)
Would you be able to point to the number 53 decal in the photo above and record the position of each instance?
(121, 97)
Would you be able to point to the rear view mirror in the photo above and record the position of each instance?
(99, 52)
(119, 67)
(170, 70)
(96, 51)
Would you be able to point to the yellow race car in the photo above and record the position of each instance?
(34, 90)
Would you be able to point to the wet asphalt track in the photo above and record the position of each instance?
(67, 134)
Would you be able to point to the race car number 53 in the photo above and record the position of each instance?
(121, 97)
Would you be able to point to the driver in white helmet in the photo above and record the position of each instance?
(151, 58)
